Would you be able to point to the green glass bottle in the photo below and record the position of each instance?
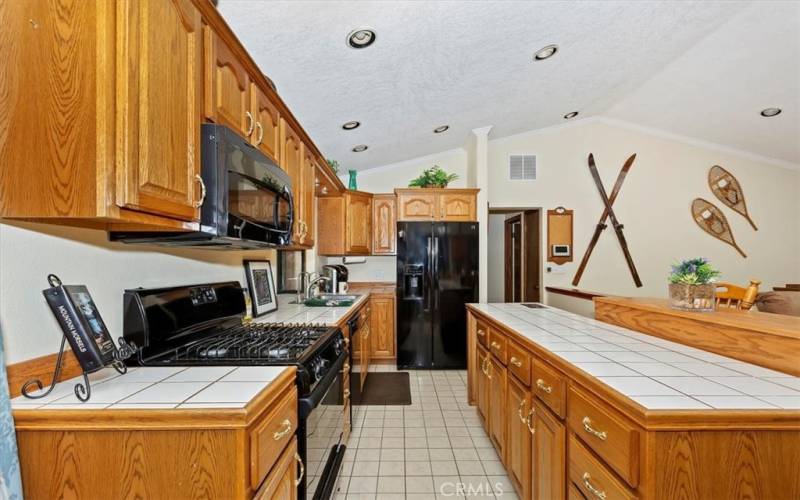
(352, 184)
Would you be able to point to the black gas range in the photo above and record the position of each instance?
(203, 325)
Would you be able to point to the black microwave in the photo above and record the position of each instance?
(248, 202)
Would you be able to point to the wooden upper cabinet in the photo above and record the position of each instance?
(227, 86)
(160, 108)
(292, 163)
(358, 216)
(384, 224)
(266, 130)
(416, 204)
(456, 205)
(307, 195)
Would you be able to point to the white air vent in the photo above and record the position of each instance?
(522, 167)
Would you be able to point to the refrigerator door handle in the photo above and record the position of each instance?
(428, 275)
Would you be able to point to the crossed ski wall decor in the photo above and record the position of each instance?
(608, 213)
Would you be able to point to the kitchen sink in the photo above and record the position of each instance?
(331, 300)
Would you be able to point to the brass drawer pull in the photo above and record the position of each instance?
(287, 428)
(516, 362)
(481, 333)
(346, 341)
(495, 345)
(529, 420)
(260, 133)
(347, 367)
(541, 385)
(251, 123)
(587, 425)
(302, 469)
(488, 369)
(347, 393)
(519, 410)
(598, 493)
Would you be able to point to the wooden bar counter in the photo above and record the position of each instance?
(768, 340)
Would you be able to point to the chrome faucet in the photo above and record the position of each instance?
(313, 284)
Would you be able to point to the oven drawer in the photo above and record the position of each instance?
(270, 434)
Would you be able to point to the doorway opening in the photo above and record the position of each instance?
(515, 266)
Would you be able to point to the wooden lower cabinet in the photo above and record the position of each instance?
(235, 454)
(518, 443)
(497, 405)
(382, 322)
(548, 464)
(282, 481)
(482, 360)
(588, 443)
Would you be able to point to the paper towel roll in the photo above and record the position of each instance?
(353, 260)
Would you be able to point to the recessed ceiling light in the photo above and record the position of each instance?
(361, 38)
(440, 129)
(770, 112)
(571, 114)
(359, 148)
(351, 125)
(545, 53)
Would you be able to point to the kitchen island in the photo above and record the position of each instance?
(171, 433)
(579, 407)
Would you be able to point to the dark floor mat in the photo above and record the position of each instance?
(381, 388)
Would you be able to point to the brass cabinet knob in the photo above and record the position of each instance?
(587, 426)
(287, 428)
(541, 385)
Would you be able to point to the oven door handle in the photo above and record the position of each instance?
(307, 404)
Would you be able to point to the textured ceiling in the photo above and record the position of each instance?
(469, 64)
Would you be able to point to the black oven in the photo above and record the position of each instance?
(247, 199)
(322, 417)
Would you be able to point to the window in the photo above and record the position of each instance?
(290, 264)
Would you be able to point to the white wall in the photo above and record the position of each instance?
(497, 264)
(29, 252)
(385, 179)
(654, 204)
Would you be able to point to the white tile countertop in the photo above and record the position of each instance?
(656, 373)
(301, 313)
(150, 388)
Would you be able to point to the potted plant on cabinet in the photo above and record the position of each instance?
(692, 285)
(433, 177)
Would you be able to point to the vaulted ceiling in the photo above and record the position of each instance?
(703, 69)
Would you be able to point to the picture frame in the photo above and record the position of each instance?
(261, 286)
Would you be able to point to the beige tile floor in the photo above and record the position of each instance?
(434, 448)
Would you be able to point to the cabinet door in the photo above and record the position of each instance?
(227, 86)
(548, 456)
(292, 163)
(309, 175)
(482, 359)
(280, 482)
(457, 207)
(366, 345)
(384, 224)
(161, 107)
(518, 453)
(416, 205)
(497, 406)
(359, 223)
(266, 130)
(383, 329)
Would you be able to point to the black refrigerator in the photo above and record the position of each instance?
(437, 274)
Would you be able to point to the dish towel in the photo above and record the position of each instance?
(10, 481)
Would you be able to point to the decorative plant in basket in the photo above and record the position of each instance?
(433, 177)
(692, 285)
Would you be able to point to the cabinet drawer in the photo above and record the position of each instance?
(608, 434)
(497, 345)
(592, 478)
(482, 332)
(550, 386)
(270, 435)
(519, 362)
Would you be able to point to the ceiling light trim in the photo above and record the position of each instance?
(353, 124)
(771, 112)
(361, 38)
(545, 52)
(441, 129)
(360, 148)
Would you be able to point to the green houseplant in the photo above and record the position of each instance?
(433, 177)
(692, 285)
